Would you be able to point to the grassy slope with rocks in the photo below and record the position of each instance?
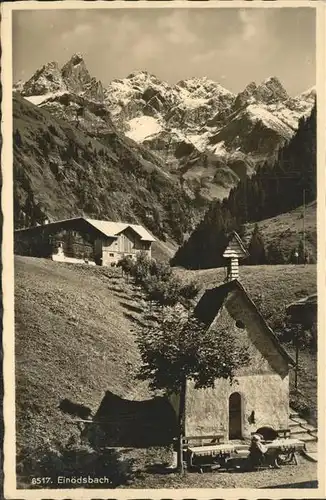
(286, 230)
(75, 339)
(279, 285)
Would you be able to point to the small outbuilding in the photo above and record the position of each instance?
(304, 312)
(84, 240)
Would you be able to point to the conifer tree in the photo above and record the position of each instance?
(276, 187)
(275, 254)
(257, 254)
(302, 254)
(17, 138)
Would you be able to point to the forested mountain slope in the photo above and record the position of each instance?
(275, 189)
(61, 171)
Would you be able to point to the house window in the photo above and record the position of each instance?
(240, 324)
(111, 254)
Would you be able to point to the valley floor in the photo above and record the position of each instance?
(75, 329)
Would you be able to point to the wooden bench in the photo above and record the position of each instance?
(209, 457)
(201, 440)
(194, 442)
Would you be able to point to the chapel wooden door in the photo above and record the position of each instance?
(235, 416)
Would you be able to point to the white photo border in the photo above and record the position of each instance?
(10, 488)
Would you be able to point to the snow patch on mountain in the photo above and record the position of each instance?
(199, 140)
(269, 120)
(40, 99)
(290, 114)
(142, 127)
(201, 88)
(291, 118)
(309, 94)
(192, 102)
(18, 86)
(219, 148)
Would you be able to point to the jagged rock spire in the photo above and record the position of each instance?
(75, 73)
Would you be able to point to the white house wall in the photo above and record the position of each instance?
(267, 395)
(128, 243)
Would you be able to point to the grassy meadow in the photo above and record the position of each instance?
(75, 339)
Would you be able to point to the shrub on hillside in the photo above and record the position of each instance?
(141, 269)
(161, 270)
(157, 280)
(304, 409)
(126, 264)
(275, 254)
(189, 291)
(293, 333)
(17, 138)
(299, 254)
(166, 293)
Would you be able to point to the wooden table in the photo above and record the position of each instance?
(284, 450)
(215, 454)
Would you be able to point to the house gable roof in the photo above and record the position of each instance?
(112, 229)
(108, 228)
(235, 248)
(212, 301)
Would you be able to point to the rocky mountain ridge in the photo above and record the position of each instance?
(74, 77)
(205, 135)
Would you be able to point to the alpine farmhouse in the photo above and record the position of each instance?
(79, 240)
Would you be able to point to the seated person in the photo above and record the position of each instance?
(257, 449)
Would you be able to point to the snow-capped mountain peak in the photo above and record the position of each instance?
(141, 75)
(75, 73)
(45, 80)
(201, 87)
(76, 58)
(184, 123)
(308, 95)
(18, 86)
(72, 77)
(269, 91)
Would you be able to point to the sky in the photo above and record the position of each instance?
(231, 46)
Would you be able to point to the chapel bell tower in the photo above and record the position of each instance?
(234, 251)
